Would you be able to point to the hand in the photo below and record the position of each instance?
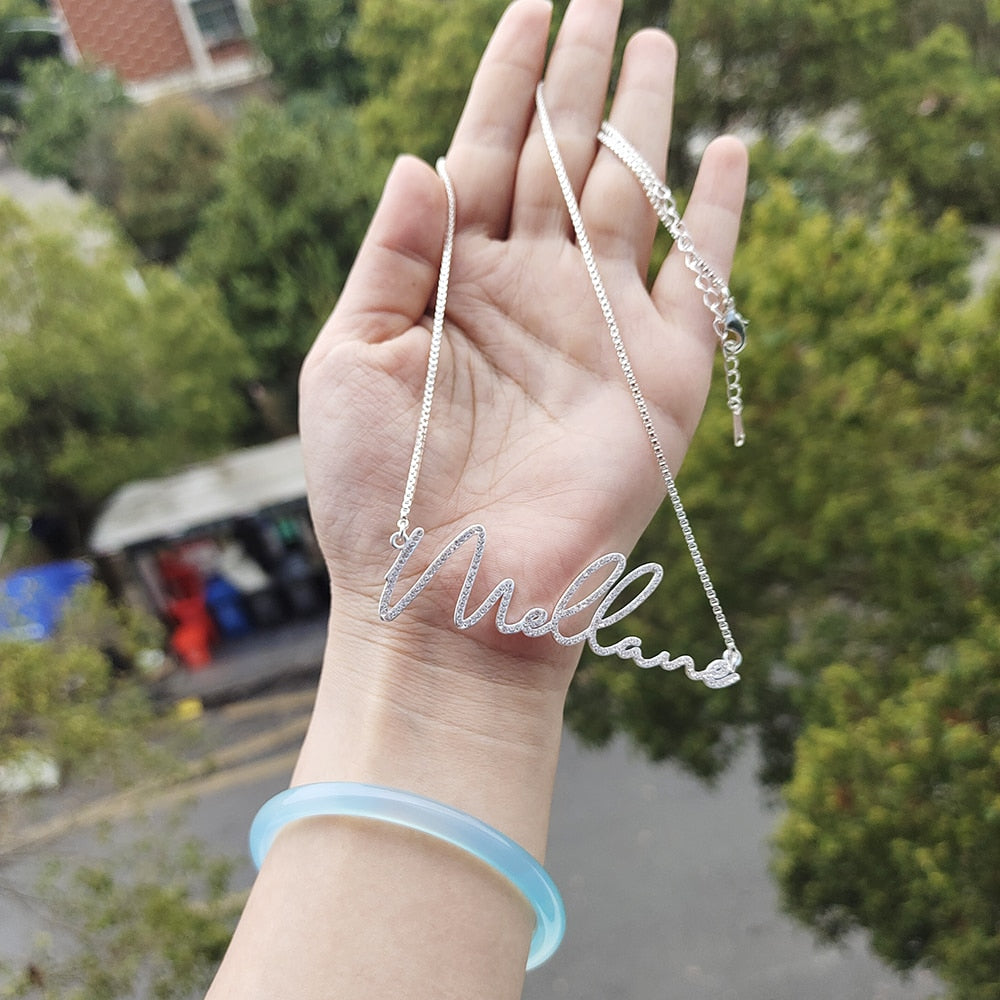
(533, 431)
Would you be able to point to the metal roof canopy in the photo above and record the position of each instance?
(234, 485)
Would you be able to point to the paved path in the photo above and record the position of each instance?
(668, 893)
(252, 664)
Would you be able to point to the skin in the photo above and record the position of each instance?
(533, 434)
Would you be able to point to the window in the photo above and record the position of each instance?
(218, 20)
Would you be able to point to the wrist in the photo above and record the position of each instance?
(435, 712)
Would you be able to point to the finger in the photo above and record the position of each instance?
(713, 220)
(576, 86)
(619, 218)
(396, 268)
(483, 156)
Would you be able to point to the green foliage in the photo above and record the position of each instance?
(923, 78)
(59, 699)
(64, 108)
(894, 815)
(153, 923)
(855, 424)
(419, 58)
(756, 61)
(90, 618)
(934, 122)
(50, 699)
(19, 548)
(978, 20)
(106, 373)
(307, 42)
(17, 45)
(819, 175)
(155, 918)
(168, 158)
(857, 555)
(279, 240)
(637, 14)
(852, 539)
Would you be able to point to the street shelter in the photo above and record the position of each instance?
(217, 549)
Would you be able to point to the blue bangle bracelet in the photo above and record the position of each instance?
(348, 798)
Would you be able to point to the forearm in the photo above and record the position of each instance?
(385, 912)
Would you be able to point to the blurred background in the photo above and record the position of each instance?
(183, 184)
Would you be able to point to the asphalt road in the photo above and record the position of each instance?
(665, 880)
(668, 895)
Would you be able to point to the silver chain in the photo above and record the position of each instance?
(730, 327)
(399, 538)
(716, 296)
(583, 241)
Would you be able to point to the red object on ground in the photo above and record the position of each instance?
(195, 632)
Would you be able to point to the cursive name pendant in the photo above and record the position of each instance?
(537, 622)
(606, 575)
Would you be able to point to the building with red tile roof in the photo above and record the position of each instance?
(159, 47)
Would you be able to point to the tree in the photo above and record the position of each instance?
(893, 807)
(819, 174)
(64, 108)
(308, 44)
(106, 372)
(300, 180)
(858, 560)
(60, 700)
(760, 64)
(933, 121)
(419, 57)
(168, 160)
(156, 917)
(915, 83)
(850, 535)
(894, 816)
(155, 922)
(280, 238)
(20, 39)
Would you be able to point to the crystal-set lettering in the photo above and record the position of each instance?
(536, 622)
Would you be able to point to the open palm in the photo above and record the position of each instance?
(533, 432)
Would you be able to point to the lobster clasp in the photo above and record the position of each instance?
(735, 338)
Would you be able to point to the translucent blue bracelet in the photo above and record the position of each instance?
(348, 798)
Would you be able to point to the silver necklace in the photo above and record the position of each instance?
(730, 327)
(537, 622)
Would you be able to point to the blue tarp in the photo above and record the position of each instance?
(31, 600)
